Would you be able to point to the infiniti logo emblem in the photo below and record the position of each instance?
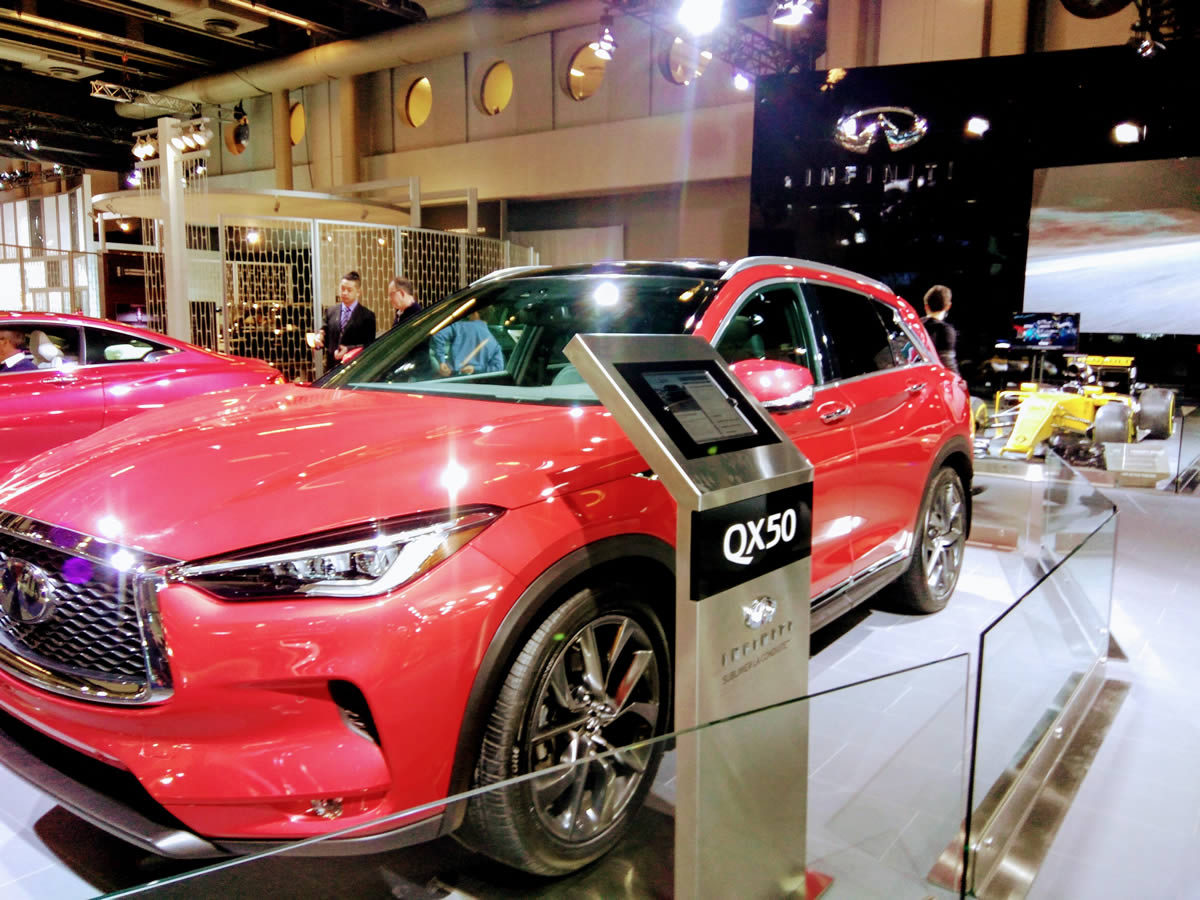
(759, 613)
(899, 125)
(26, 591)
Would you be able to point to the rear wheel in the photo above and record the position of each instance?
(1113, 424)
(939, 542)
(594, 677)
(1156, 412)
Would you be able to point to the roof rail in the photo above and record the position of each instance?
(503, 273)
(743, 264)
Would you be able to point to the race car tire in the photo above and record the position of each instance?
(1112, 425)
(1157, 412)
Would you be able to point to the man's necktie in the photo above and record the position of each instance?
(345, 316)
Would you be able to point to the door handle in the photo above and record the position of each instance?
(916, 387)
(831, 412)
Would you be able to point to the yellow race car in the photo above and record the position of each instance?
(1083, 414)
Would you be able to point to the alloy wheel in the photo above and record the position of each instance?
(601, 692)
(944, 539)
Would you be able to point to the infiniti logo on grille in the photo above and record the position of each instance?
(26, 591)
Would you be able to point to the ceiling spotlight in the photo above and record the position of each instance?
(177, 141)
(604, 46)
(977, 126)
(189, 140)
(1128, 133)
(253, 237)
(791, 12)
(699, 17)
(201, 134)
(741, 82)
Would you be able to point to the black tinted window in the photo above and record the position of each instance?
(104, 346)
(857, 341)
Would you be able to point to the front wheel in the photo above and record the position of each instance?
(594, 677)
(940, 539)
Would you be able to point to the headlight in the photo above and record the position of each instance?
(355, 562)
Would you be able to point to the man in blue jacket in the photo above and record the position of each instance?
(466, 347)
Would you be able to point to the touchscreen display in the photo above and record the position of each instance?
(704, 411)
(698, 405)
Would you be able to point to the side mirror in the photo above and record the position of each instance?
(776, 385)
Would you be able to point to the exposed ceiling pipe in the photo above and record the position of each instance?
(420, 42)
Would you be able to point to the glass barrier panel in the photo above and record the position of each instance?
(1187, 452)
(1036, 661)
(886, 770)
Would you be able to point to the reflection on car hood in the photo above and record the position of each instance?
(224, 471)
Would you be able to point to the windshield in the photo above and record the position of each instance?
(504, 340)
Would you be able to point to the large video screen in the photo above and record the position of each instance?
(1119, 243)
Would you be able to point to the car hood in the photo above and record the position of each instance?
(224, 471)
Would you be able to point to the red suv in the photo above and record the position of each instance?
(263, 615)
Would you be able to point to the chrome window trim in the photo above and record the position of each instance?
(148, 579)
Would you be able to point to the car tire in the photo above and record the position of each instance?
(1112, 424)
(599, 662)
(1156, 412)
(938, 545)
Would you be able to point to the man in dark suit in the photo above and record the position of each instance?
(403, 300)
(347, 325)
(13, 357)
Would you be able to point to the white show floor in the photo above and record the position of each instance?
(1133, 830)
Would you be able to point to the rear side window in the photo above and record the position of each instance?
(856, 338)
(104, 346)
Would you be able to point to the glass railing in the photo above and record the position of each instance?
(1186, 478)
(1040, 663)
(886, 793)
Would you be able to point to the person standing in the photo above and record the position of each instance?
(403, 300)
(13, 357)
(945, 335)
(347, 325)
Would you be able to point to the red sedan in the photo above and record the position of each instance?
(267, 614)
(91, 373)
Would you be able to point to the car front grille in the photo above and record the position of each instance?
(84, 627)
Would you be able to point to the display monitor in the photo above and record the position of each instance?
(1119, 243)
(698, 406)
(1046, 331)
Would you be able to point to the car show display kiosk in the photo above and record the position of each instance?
(742, 575)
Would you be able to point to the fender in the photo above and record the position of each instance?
(958, 453)
(522, 619)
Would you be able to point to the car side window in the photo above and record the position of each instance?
(52, 346)
(104, 346)
(858, 342)
(766, 326)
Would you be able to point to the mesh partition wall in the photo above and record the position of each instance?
(268, 292)
(433, 261)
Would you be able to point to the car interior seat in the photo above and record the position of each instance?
(741, 340)
(45, 352)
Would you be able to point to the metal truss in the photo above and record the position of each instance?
(119, 93)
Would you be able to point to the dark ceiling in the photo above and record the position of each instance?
(50, 51)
